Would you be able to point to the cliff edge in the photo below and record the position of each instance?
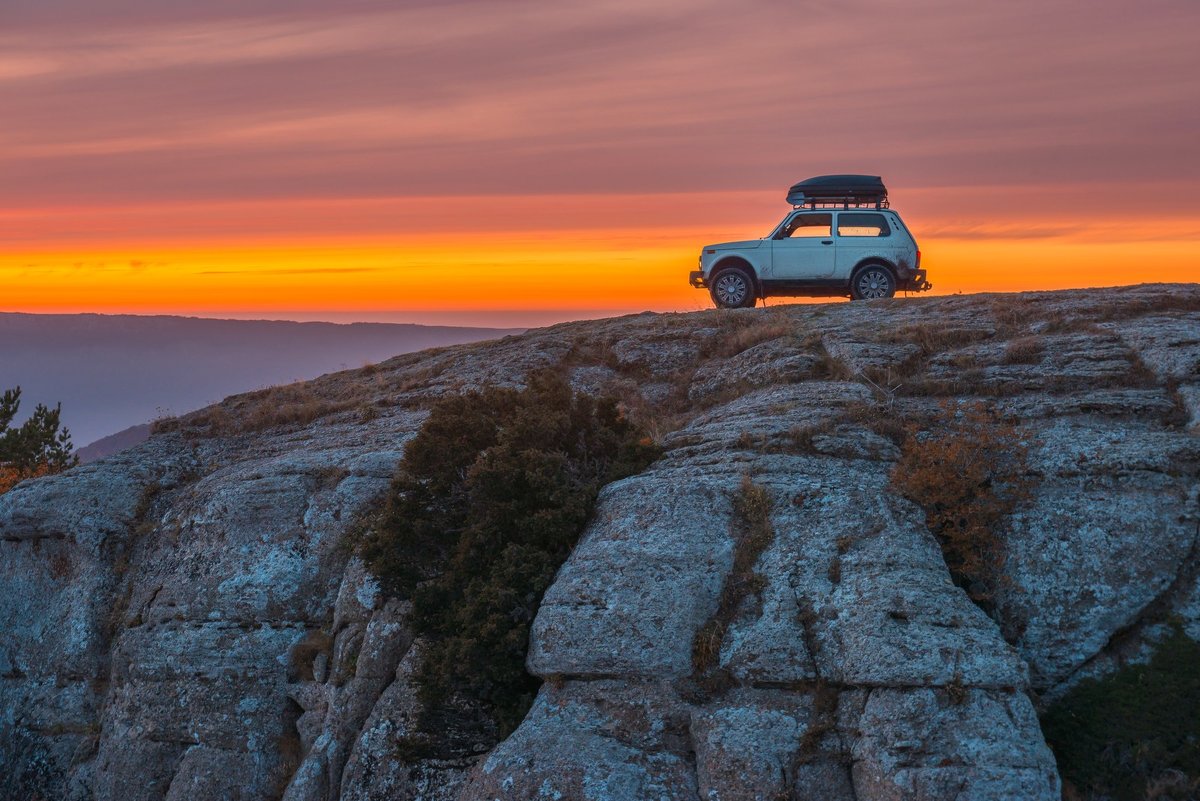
(186, 619)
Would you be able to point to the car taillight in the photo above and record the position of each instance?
(918, 258)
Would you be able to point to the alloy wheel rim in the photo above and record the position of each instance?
(872, 284)
(731, 289)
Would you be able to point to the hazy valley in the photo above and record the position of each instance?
(111, 372)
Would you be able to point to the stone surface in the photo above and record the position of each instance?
(186, 619)
(922, 744)
(597, 740)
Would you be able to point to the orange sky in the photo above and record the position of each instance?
(628, 254)
(467, 163)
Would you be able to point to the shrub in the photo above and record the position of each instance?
(968, 476)
(1136, 734)
(487, 503)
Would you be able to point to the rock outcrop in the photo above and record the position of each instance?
(186, 619)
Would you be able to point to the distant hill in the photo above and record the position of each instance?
(113, 443)
(111, 372)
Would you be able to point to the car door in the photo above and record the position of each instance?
(803, 247)
(862, 235)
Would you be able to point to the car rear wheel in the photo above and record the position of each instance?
(733, 289)
(872, 282)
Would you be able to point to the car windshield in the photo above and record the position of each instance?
(804, 226)
(778, 228)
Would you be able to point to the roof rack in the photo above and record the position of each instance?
(839, 191)
(842, 203)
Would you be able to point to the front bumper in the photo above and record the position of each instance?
(915, 283)
(696, 279)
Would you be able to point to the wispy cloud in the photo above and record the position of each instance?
(140, 103)
(290, 271)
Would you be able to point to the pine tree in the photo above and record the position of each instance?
(39, 446)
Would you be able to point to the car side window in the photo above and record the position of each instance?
(852, 223)
(808, 226)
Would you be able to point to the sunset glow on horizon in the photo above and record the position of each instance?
(460, 161)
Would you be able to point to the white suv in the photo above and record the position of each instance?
(840, 240)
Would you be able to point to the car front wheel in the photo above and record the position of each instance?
(872, 282)
(733, 289)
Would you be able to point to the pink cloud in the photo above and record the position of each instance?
(231, 102)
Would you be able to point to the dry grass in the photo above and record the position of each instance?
(826, 698)
(1179, 416)
(657, 420)
(591, 351)
(1138, 375)
(1118, 309)
(874, 417)
(418, 377)
(752, 534)
(956, 689)
(368, 412)
(741, 330)
(828, 367)
(1015, 314)
(329, 476)
(1067, 323)
(294, 404)
(162, 425)
(932, 338)
(1011, 314)
(1024, 350)
(965, 361)
(142, 523)
(969, 475)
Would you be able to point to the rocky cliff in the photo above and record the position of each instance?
(186, 619)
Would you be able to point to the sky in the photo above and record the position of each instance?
(514, 163)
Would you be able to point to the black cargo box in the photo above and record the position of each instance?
(852, 189)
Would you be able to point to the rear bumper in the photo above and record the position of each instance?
(696, 279)
(915, 283)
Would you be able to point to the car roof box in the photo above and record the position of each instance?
(840, 190)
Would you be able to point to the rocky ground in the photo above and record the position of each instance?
(187, 620)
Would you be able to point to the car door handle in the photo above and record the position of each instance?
(826, 241)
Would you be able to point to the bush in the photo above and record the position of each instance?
(489, 500)
(968, 476)
(1136, 734)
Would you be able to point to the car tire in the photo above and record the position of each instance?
(733, 288)
(872, 282)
